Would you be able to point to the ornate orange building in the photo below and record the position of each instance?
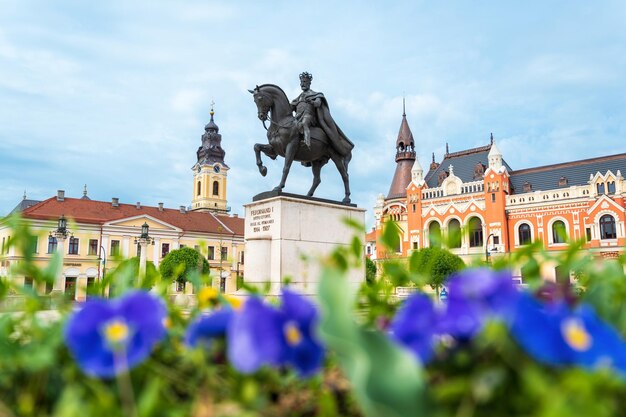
(480, 207)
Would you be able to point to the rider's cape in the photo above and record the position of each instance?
(338, 140)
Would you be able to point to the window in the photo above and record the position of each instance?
(496, 240)
(52, 244)
(454, 234)
(34, 242)
(165, 249)
(600, 188)
(493, 197)
(115, 248)
(524, 234)
(199, 188)
(70, 287)
(414, 245)
(211, 255)
(93, 247)
(73, 246)
(414, 208)
(562, 181)
(588, 234)
(216, 188)
(559, 233)
(527, 187)
(611, 187)
(369, 250)
(91, 288)
(475, 232)
(224, 253)
(607, 227)
(242, 258)
(28, 282)
(434, 235)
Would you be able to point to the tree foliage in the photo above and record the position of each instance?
(370, 271)
(180, 264)
(436, 264)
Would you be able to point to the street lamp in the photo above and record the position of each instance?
(222, 279)
(60, 234)
(494, 249)
(143, 241)
(102, 258)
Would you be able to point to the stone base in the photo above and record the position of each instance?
(286, 235)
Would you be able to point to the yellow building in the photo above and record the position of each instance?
(99, 233)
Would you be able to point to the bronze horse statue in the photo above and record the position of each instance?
(285, 139)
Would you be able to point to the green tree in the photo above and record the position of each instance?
(125, 276)
(370, 271)
(435, 265)
(180, 264)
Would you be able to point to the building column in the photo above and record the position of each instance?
(156, 252)
(81, 287)
(59, 282)
(143, 258)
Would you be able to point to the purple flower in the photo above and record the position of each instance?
(414, 326)
(474, 296)
(555, 334)
(260, 335)
(207, 327)
(107, 337)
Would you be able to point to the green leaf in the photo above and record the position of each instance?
(386, 379)
(391, 236)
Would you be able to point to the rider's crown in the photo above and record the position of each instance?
(306, 76)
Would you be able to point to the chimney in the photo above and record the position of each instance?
(236, 216)
(182, 209)
(115, 202)
(60, 195)
(160, 206)
(138, 206)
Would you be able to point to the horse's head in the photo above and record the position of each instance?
(263, 102)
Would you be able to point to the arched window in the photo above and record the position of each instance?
(216, 188)
(434, 235)
(454, 234)
(524, 235)
(607, 227)
(475, 227)
(199, 187)
(559, 233)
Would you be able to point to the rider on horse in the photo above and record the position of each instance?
(312, 110)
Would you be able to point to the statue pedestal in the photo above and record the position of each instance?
(282, 231)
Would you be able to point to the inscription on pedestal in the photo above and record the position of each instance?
(261, 219)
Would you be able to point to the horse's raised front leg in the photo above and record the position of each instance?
(317, 168)
(290, 154)
(267, 150)
(343, 170)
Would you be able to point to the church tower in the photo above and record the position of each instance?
(210, 172)
(405, 157)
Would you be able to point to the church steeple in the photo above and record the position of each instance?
(209, 178)
(405, 157)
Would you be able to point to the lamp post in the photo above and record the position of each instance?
(143, 241)
(494, 249)
(60, 234)
(222, 279)
(103, 258)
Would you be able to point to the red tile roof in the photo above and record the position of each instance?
(100, 212)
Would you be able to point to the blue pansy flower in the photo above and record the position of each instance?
(555, 334)
(207, 327)
(260, 334)
(414, 326)
(107, 337)
(474, 296)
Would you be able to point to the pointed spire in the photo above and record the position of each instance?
(405, 140)
(433, 158)
(211, 125)
(492, 138)
(447, 149)
(495, 157)
(24, 197)
(84, 197)
(403, 105)
(417, 173)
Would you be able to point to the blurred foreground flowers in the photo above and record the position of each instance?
(492, 348)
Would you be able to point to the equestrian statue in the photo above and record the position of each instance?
(311, 136)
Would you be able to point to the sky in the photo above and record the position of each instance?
(115, 94)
